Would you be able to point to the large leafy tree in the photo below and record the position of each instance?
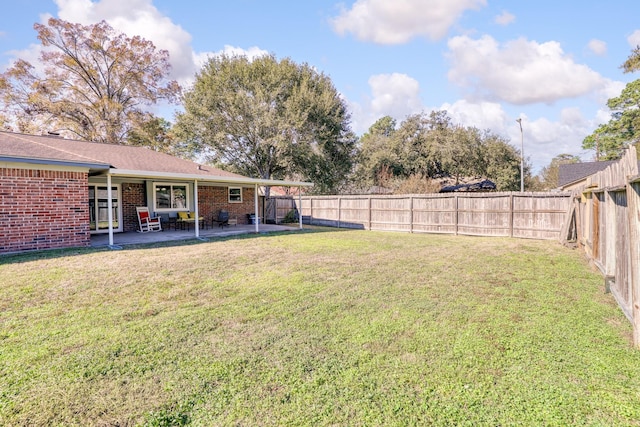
(93, 83)
(502, 162)
(155, 133)
(429, 146)
(268, 118)
(609, 140)
(378, 158)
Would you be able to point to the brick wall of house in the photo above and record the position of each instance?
(133, 195)
(213, 199)
(42, 209)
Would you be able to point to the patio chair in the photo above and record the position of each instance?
(167, 221)
(222, 219)
(146, 222)
(188, 218)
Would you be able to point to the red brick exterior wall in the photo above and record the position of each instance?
(133, 195)
(213, 199)
(42, 209)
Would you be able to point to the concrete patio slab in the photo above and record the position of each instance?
(136, 238)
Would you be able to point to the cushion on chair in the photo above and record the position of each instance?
(183, 216)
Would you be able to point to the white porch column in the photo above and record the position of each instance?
(255, 207)
(195, 196)
(110, 210)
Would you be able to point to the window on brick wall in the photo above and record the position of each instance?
(235, 195)
(170, 196)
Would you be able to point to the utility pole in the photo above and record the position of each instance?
(521, 156)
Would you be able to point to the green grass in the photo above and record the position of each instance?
(315, 328)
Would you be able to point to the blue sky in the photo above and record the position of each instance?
(552, 63)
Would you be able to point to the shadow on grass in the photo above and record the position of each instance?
(30, 256)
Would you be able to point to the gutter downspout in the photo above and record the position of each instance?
(255, 207)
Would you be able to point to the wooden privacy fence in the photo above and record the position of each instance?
(525, 215)
(606, 211)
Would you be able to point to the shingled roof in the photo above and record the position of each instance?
(572, 172)
(48, 149)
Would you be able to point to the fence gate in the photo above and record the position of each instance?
(277, 208)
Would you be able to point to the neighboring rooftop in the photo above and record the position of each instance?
(572, 172)
(472, 187)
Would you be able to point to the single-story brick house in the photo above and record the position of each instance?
(56, 192)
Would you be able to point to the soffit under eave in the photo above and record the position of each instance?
(226, 180)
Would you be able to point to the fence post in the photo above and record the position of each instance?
(455, 214)
(369, 218)
(410, 214)
(511, 214)
(339, 212)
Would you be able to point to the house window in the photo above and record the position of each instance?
(235, 195)
(170, 196)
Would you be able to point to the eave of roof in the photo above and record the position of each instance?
(51, 162)
(239, 180)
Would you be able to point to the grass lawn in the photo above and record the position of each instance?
(315, 328)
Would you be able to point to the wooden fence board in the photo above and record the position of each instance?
(633, 219)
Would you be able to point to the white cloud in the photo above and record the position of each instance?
(518, 72)
(602, 116)
(482, 115)
(386, 22)
(544, 139)
(30, 54)
(634, 39)
(395, 95)
(253, 52)
(597, 47)
(505, 18)
(610, 89)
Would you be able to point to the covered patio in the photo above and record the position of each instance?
(136, 238)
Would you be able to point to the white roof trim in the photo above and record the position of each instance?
(239, 180)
